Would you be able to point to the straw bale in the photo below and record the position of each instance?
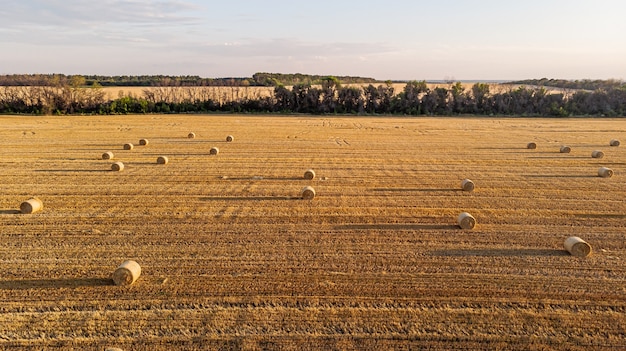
(309, 174)
(597, 154)
(467, 185)
(605, 172)
(31, 206)
(117, 167)
(577, 247)
(308, 193)
(466, 221)
(127, 273)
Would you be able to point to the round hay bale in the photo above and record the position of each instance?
(162, 160)
(565, 149)
(31, 206)
(117, 167)
(191, 135)
(214, 151)
(605, 172)
(127, 273)
(107, 155)
(309, 174)
(614, 142)
(597, 154)
(128, 146)
(143, 142)
(113, 349)
(229, 138)
(467, 185)
(577, 246)
(308, 193)
(531, 146)
(466, 221)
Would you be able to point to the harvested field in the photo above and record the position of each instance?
(231, 258)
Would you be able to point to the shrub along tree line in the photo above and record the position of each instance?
(329, 97)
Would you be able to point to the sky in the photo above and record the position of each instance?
(382, 39)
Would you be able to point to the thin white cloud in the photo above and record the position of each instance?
(86, 23)
(75, 13)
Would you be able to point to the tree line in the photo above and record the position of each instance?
(258, 79)
(329, 97)
(586, 84)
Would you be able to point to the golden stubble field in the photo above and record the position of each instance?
(233, 260)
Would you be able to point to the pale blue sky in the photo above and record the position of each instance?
(383, 39)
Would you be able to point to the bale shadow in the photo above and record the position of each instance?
(396, 227)
(10, 212)
(598, 215)
(249, 198)
(414, 189)
(54, 283)
(500, 252)
(93, 149)
(181, 154)
(504, 148)
(559, 157)
(145, 163)
(261, 178)
(71, 170)
(195, 140)
(558, 176)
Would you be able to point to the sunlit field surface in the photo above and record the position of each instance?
(233, 258)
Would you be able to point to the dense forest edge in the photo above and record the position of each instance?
(260, 79)
(299, 93)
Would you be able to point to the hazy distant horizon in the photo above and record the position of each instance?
(433, 81)
(457, 40)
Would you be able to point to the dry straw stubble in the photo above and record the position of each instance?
(117, 167)
(31, 206)
(577, 246)
(605, 172)
(309, 174)
(308, 193)
(127, 273)
(107, 155)
(466, 221)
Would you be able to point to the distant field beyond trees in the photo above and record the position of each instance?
(299, 93)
